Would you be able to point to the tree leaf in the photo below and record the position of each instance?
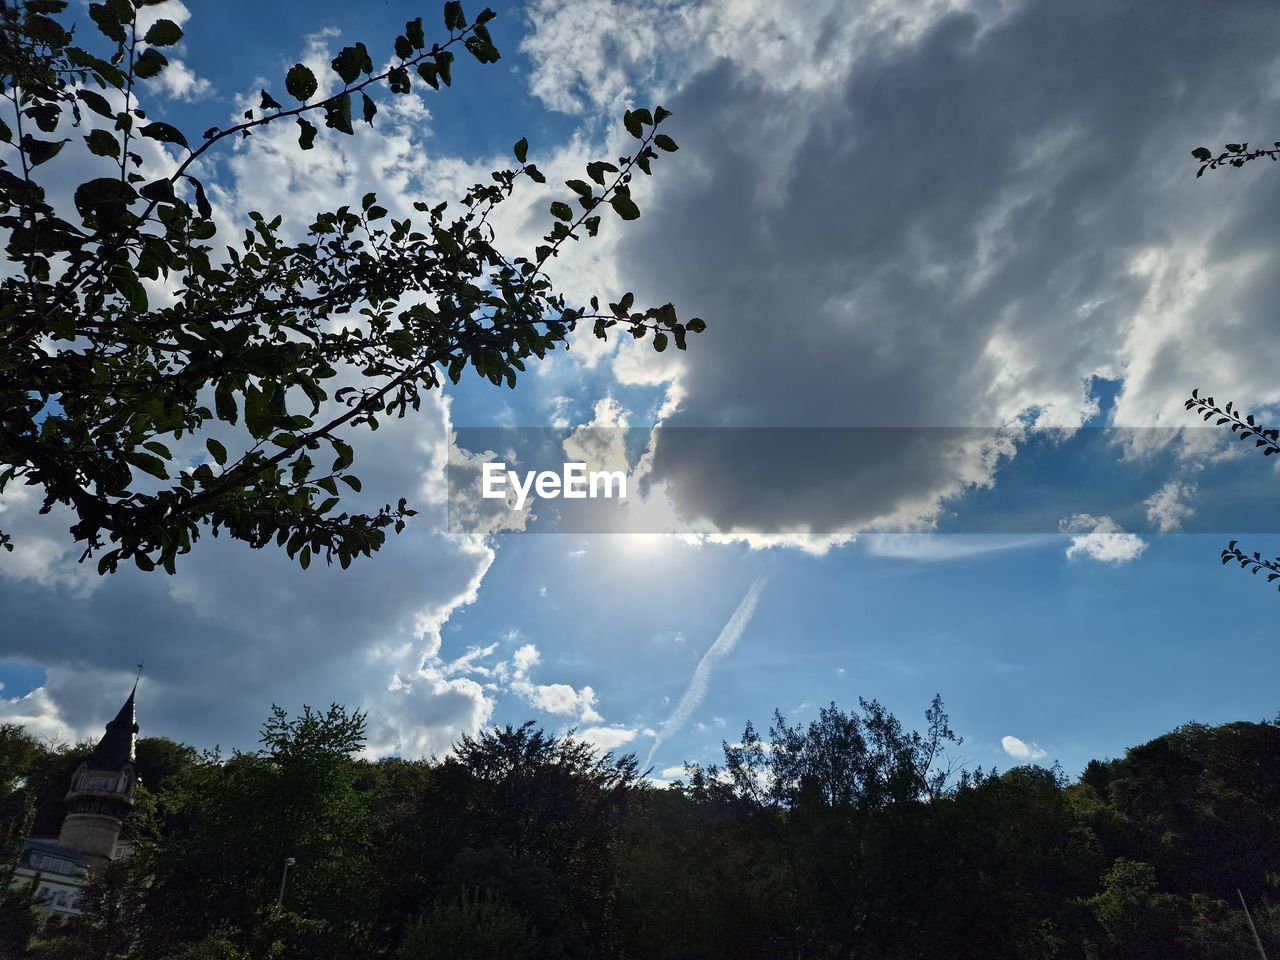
(104, 198)
(148, 464)
(337, 114)
(203, 206)
(163, 33)
(107, 21)
(40, 151)
(413, 31)
(307, 134)
(597, 169)
(161, 191)
(165, 133)
(149, 63)
(454, 18)
(103, 144)
(224, 402)
(126, 283)
(96, 102)
(624, 206)
(482, 50)
(521, 149)
(351, 62)
(444, 66)
(300, 82)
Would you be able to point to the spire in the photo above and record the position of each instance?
(116, 748)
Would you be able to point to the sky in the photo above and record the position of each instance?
(958, 275)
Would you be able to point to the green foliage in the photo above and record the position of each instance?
(19, 916)
(470, 927)
(229, 827)
(111, 914)
(218, 945)
(99, 386)
(836, 838)
(532, 818)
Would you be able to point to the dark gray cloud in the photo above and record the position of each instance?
(961, 227)
(237, 629)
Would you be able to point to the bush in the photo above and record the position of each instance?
(472, 927)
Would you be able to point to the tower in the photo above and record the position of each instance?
(102, 789)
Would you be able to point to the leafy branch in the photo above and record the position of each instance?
(1253, 563)
(97, 382)
(1235, 154)
(1245, 428)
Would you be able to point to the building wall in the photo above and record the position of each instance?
(56, 893)
(92, 834)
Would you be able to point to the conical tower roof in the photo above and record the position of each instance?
(116, 748)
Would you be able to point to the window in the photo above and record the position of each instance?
(48, 864)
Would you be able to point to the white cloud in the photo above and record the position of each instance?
(1168, 508)
(607, 737)
(526, 658)
(936, 547)
(179, 82)
(39, 714)
(1021, 750)
(980, 279)
(558, 699)
(1101, 539)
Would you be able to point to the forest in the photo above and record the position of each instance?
(849, 836)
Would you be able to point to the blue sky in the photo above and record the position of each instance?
(912, 215)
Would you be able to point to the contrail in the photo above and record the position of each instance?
(702, 673)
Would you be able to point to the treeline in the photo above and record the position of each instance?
(848, 837)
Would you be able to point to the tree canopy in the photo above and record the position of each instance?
(840, 837)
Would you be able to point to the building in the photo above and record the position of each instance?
(101, 794)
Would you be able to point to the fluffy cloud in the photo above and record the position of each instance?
(1021, 750)
(1101, 539)
(558, 699)
(1169, 507)
(875, 246)
(177, 81)
(608, 737)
